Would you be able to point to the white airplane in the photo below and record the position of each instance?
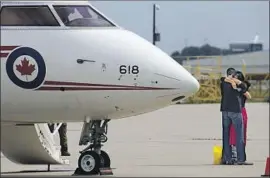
(64, 61)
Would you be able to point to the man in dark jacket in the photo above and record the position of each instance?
(231, 114)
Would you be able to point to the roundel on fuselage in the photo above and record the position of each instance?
(26, 68)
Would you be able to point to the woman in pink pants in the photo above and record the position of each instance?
(245, 96)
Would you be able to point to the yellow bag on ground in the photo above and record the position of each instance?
(217, 153)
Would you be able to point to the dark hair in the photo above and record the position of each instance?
(239, 75)
(230, 71)
(248, 84)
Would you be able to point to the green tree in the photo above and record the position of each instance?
(176, 54)
(204, 50)
(191, 51)
(208, 50)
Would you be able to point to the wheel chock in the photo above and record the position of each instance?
(77, 172)
(105, 171)
(102, 171)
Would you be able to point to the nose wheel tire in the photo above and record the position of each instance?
(105, 160)
(89, 163)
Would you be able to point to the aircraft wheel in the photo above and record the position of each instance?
(105, 160)
(89, 163)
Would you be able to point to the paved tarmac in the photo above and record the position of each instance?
(176, 141)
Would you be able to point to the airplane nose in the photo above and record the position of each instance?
(193, 85)
(178, 77)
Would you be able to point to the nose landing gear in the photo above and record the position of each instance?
(93, 160)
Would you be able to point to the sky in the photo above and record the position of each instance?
(186, 23)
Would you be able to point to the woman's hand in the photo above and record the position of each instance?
(236, 81)
(232, 82)
(248, 95)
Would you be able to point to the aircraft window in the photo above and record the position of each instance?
(27, 16)
(81, 16)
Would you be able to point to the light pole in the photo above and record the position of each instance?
(156, 36)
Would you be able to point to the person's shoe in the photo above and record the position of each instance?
(227, 163)
(244, 163)
(65, 153)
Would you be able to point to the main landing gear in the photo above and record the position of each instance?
(93, 160)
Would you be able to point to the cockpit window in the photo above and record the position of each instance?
(81, 16)
(27, 16)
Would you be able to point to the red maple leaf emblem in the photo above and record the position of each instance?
(24, 68)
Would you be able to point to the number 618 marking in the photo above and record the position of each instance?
(123, 69)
